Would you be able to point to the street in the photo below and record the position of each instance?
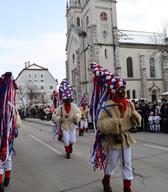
(40, 164)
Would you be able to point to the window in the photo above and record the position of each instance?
(42, 80)
(78, 21)
(105, 53)
(42, 76)
(29, 75)
(152, 67)
(129, 67)
(134, 94)
(128, 94)
(73, 58)
(51, 87)
(42, 87)
(87, 22)
(35, 75)
(103, 16)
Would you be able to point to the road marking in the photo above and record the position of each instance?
(46, 145)
(156, 147)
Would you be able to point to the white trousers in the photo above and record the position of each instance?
(69, 136)
(83, 124)
(7, 166)
(113, 156)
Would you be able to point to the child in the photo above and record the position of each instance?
(151, 121)
(157, 119)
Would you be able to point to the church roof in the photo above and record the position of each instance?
(139, 37)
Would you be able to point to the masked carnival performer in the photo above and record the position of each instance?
(83, 124)
(9, 122)
(113, 116)
(67, 116)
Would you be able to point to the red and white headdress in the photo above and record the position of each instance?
(110, 81)
(84, 100)
(66, 91)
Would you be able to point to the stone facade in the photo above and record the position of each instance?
(93, 36)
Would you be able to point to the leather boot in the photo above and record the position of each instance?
(80, 132)
(127, 190)
(1, 188)
(106, 183)
(6, 182)
(127, 185)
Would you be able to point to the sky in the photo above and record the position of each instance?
(35, 30)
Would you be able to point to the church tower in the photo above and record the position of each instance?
(92, 36)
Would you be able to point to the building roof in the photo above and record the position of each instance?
(35, 67)
(32, 67)
(139, 37)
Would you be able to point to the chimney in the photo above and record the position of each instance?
(25, 64)
(28, 63)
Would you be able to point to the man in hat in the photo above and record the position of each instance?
(67, 116)
(83, 125)
(114, 117)
(9, 122)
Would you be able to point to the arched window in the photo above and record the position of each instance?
(87, 22)
(128, 94)
(154, 95)
(73, 58)
(152, 67)
(134, 94)
(129, 67)
(78, 21)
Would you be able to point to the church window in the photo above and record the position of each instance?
(129, 67)
(128, 94)
(87, 22)
(78, 21)
(73, 58)
(134, 94)
(105, 53)
(103, 16)
(152, 67)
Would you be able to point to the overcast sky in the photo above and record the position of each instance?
(35, 30)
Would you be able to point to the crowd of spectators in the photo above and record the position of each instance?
(154, 115)
(43, 112)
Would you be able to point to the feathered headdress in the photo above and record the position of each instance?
(66, 91)
(84, 100)
(7, 109)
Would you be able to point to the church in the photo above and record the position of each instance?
(141, 58)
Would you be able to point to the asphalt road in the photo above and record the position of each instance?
(40, 164)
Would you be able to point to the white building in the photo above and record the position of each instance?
(36, 85)
(93, 36)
